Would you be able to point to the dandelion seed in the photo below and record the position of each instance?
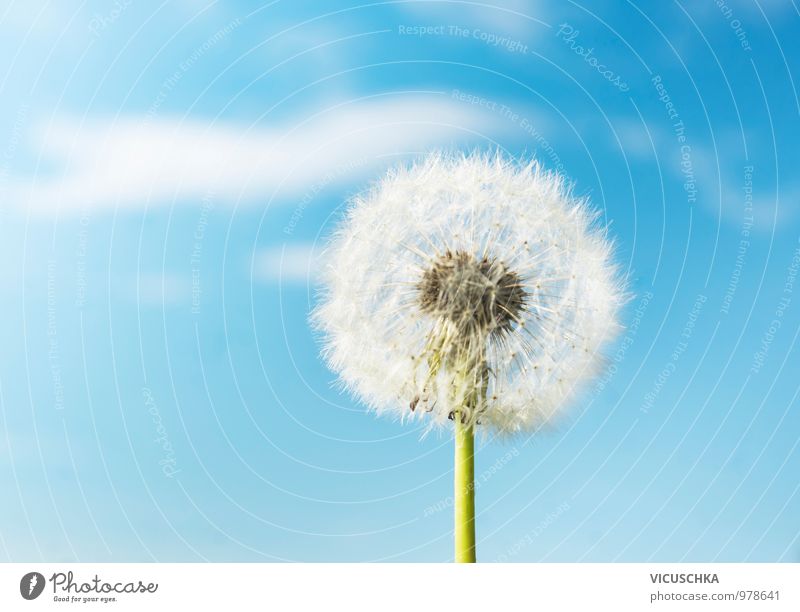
(470, 289)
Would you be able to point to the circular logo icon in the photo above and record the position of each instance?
(31, 585)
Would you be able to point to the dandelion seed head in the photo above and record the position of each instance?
(468, 271)
(478, 296)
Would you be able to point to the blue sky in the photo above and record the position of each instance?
(168, 174)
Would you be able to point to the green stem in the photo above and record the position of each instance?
(464, 499)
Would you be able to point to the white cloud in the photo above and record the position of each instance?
(31, 19)
(138, 161)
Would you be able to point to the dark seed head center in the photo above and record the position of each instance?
(477, 295)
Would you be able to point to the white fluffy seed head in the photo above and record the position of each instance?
(465, 272)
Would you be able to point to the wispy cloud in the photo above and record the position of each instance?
(134, 162)
(288, 263)
(636, 138)
(162, 289)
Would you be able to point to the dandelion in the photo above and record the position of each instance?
(471, 290)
